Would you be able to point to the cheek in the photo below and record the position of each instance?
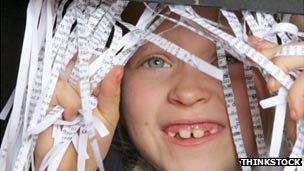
(140, 104)
(140, 101)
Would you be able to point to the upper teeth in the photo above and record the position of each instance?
(171, 134)
(185, 133)
(198, 133)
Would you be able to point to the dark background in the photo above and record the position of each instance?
(13, 17)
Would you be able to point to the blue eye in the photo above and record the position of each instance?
(156, 62)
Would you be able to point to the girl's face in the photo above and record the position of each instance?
(175, 114)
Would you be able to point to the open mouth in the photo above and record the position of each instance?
(191, 134)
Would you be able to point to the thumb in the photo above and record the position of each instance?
(109, 96)
(68, 98)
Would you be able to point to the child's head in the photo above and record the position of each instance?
(176, 115)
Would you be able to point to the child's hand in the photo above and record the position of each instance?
(107, 111)
(286, 63)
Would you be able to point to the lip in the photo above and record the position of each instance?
(190, 142)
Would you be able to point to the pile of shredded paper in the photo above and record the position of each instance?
(58, 29)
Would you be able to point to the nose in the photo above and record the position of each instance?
(190, 87)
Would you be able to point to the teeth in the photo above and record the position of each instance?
(198, 133)
(195, 131)
(184, 133)
(171, 134)
(213, 131)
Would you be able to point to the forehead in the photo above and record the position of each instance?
(183, 37)
(134, 10)
(188, 40)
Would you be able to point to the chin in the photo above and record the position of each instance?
(213, 153)
(198, 165)
(199, 161)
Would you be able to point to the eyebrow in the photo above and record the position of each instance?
(146, 50)
(150, 49)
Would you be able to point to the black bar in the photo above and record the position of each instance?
(271, 6)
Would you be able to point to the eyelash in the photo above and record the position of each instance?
(148, 65)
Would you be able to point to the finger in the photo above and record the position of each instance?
(262, 43)
(70, 66)
(291, 129)
(273, 85)
(286, 64)
(296, 98)
(69, 69)
(109, 95)
(67, 98)
(265, 47)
